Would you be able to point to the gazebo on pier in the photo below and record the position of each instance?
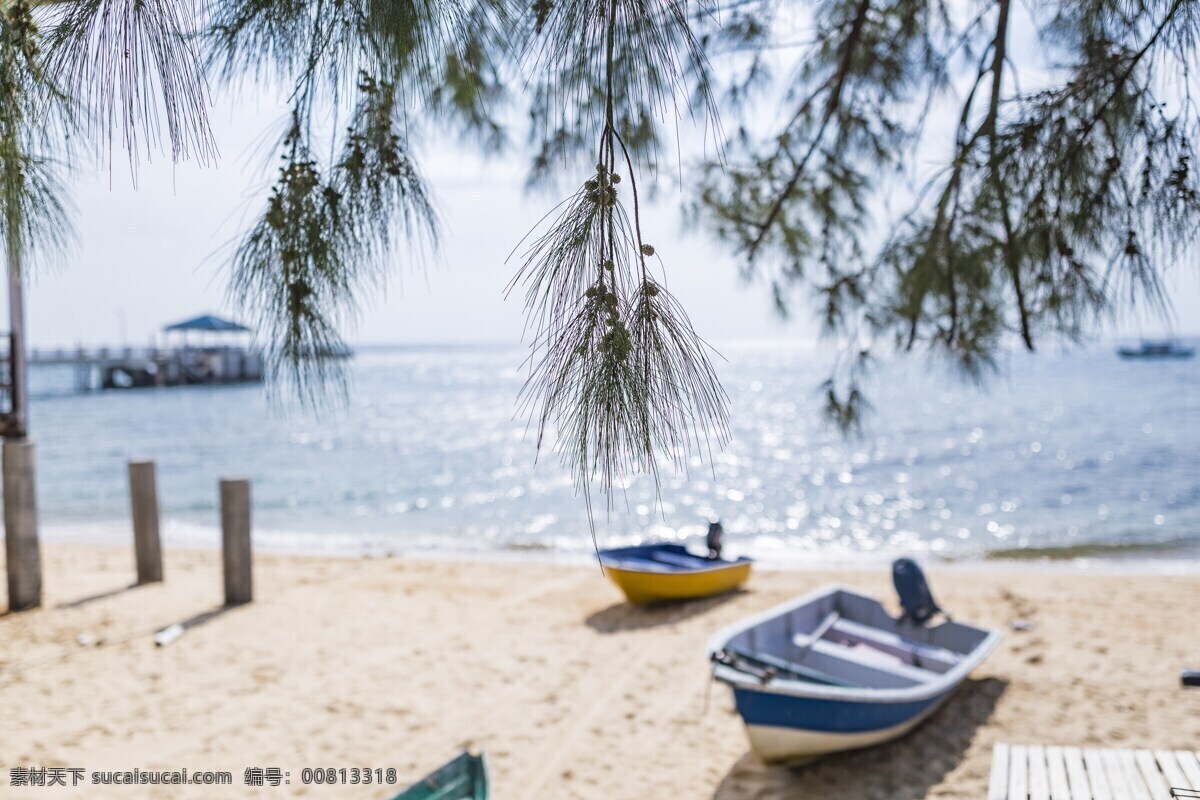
(209, 350)
(203, 350)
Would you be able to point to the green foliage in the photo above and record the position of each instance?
(1054, 206)
(133, 65)
(654, 73)
(294, 265)
(617, 368)
(33, 118)
(323, 236)
(329, 229)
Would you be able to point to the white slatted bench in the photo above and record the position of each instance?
(1034, 772)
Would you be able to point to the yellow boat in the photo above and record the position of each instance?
(662, 572)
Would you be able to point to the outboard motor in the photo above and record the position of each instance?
(713, 539)
(915, 597)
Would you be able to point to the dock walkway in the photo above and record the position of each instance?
(137, 367)
(1036, 772)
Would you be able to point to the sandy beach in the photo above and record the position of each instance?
(401, 662)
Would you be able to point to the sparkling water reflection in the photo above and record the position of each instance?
(1081, 451)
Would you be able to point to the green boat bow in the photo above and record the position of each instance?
(464, 778)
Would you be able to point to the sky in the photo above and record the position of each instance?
(156, 253)
(150, 255)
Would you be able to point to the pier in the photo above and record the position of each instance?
(133, 368)
(216, 359)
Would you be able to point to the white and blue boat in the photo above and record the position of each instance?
(834, 671)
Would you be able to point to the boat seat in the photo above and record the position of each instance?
(780, 667)
(691, 562)
(842, 653)
(939, 659)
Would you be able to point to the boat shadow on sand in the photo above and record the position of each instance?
(906, 769)
(629, 617)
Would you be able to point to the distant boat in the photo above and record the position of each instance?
(463, 778)
(833, 671)
(1161, 349)
(660, 572)
(334, 351)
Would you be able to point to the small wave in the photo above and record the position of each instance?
(526, 547)
(1095, 550)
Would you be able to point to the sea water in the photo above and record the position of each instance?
(1060, 453)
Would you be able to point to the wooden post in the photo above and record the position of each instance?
(143, 498)
(21, 550)
(17, 416)
(235, 540)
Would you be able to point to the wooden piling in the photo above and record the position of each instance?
(235, 540)
(143, 498)
(22, 553)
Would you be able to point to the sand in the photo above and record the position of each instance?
(402, 662)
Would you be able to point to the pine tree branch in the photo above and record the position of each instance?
(832, 104)
(1011, 259)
